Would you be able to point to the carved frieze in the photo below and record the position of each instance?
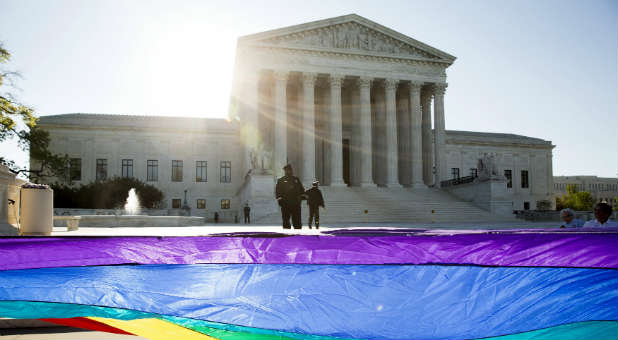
(350, 36)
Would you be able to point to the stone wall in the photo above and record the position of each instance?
(490, 195)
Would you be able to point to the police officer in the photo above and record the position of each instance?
(289, 192)
(315, 200)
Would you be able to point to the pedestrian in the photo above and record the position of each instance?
(602, 212)
(216, 217)
(315, 200)
(568, 218)
(289, 192)
(247, 212)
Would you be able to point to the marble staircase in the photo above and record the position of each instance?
(383, 205)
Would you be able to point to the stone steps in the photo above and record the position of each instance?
(393, 205)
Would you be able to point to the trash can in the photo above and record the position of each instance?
(37, 210)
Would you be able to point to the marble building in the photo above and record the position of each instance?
(602, 189)
(345, 100)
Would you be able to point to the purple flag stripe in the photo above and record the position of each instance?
(590, 250)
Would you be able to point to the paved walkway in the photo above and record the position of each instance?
(228, 228)
(7, 230)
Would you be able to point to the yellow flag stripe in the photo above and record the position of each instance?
(154, 329)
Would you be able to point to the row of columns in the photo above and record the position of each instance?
(420, 98)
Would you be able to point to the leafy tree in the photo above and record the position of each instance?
(18, 121)
(574, 199)
(108, 194)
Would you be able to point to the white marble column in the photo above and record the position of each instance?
(336, 132)
(366, 144)
(250, 103)
(416, 122)
(308, 174)
(392, 165)
(281, 126)
(427, 136)
(404, 139)
(439, 134)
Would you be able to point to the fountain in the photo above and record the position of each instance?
(132, 218)
(131, 207)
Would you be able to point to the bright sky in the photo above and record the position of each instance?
(545, 69)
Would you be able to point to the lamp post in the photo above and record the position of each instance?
(185, 205)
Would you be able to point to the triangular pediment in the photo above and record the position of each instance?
(349, 34)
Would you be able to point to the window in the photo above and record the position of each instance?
(474, 172)
(455, 173)
(200, 171)
(201, 203)
(226, 171)
(225, 204)
(75, 169)
(152, 170)
(509, 178)
(524, 179)
(176, 171)
(175, 203)
(526, 205)
(101, 169)
(127, 168)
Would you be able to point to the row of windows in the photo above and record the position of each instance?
(589, 187)
(200, 203)
(507, 173)
(152, 170)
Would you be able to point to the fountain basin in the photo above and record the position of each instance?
(130, 221)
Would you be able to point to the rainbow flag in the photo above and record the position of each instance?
(343, 284)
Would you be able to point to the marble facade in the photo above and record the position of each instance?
(306, 91)
(345, 100)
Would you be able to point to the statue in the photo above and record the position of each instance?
(253, 158)
(486, 167)
(260, 160)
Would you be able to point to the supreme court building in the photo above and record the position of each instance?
(346, 101)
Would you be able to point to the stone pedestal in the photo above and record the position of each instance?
(490, 195)
(259, 192)
(9, 213)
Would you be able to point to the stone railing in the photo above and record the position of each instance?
(457, 181)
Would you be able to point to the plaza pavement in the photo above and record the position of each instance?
(229, 228)
(7, 230)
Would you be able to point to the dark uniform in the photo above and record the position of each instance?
(315, 200)
(291, 191)
(247, 212)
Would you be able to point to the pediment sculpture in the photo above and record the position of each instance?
(350, 36)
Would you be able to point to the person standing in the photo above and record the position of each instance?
(289, 192)
(247, 212)
(315, 200)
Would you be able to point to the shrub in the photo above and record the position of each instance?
(108, 194)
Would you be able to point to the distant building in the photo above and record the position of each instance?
(603, 189)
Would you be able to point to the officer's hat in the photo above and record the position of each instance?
(287, 166)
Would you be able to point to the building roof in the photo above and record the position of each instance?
(197, 124)
(140, 122)
(491, 138)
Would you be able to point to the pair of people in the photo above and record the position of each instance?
(602, 212)
(290, 192)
